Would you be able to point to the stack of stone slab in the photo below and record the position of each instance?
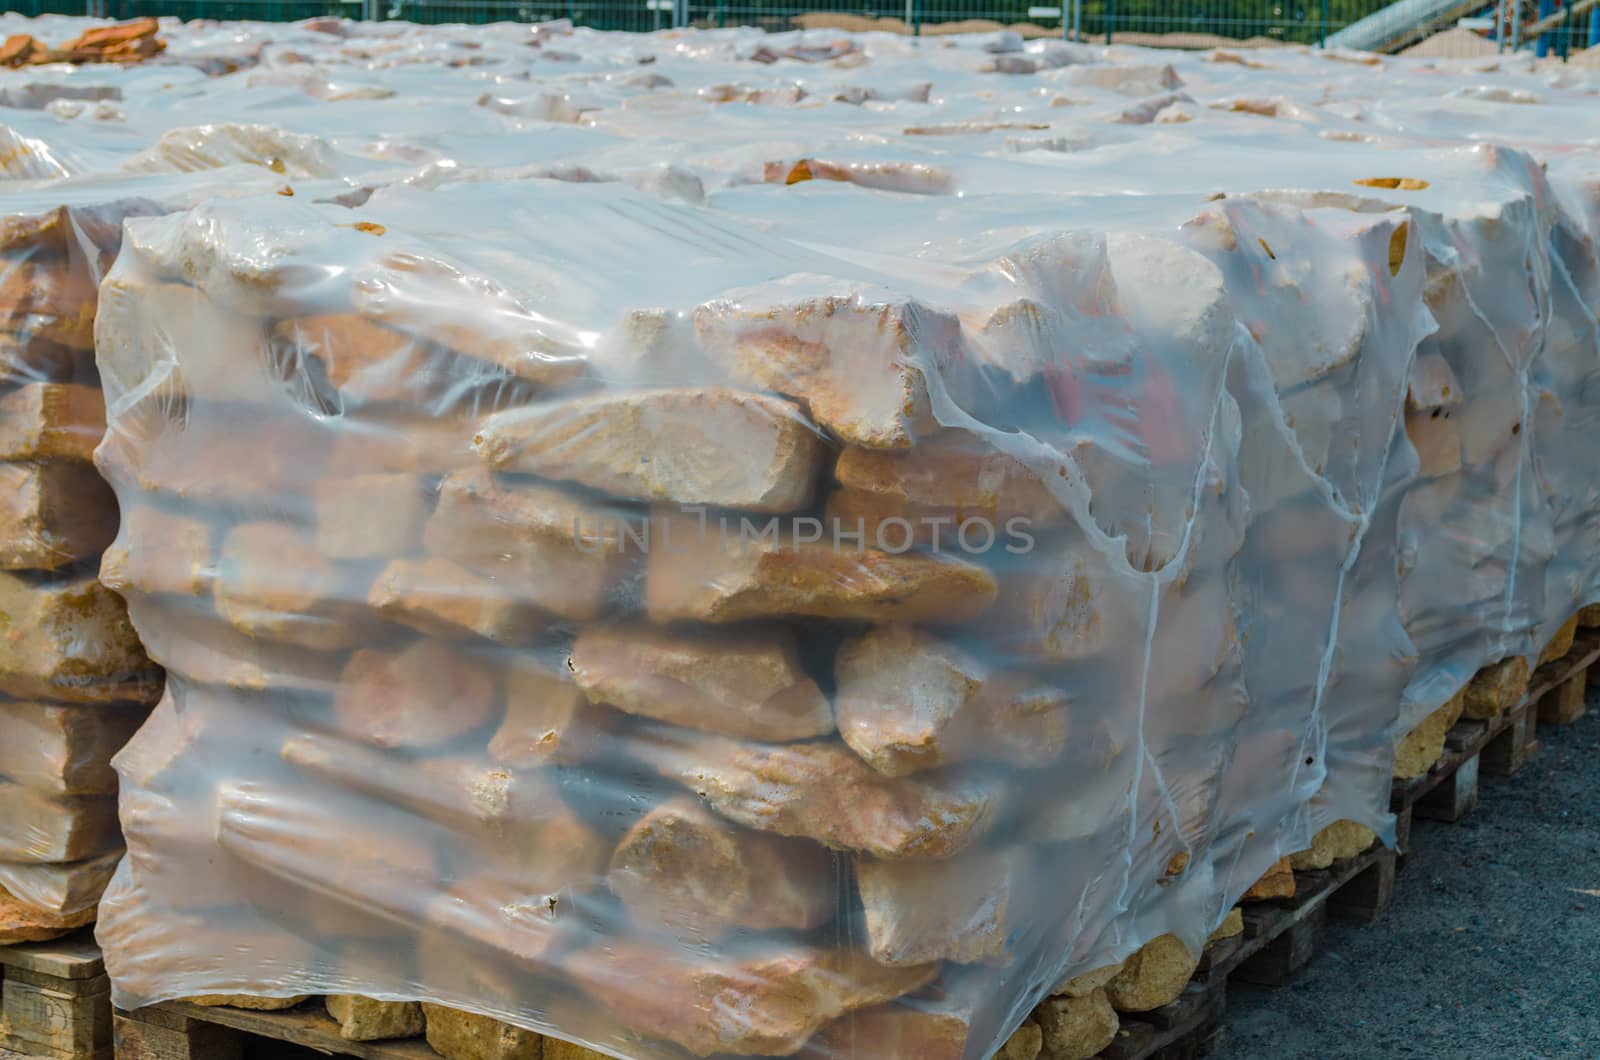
(74, 681)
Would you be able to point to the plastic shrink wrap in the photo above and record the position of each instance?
(75, 682)
(677, 629)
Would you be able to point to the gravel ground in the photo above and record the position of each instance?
(1491, 948)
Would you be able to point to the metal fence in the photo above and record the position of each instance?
(1193, 23)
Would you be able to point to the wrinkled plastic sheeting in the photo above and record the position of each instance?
(441, 724)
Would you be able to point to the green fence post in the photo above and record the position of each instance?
(1111, 15)
(1322, 32)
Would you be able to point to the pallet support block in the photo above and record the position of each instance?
(1454, 798)
(1511, 748)
(155, 1034)
(1563, 704)
(1366, 895)
(55, 1000)
(1289, 952)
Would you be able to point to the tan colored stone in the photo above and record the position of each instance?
(690, 445)
(70, 640)
(205, 352)
(1154, 975)
(908, 701)
(1560, 642)
(685, 868)
(53, 514)
(51, 421)
(822, 791)
(457, 1035)
(764, 1000)
(29, 359)
(196, 644)
(21, 922)
(858, 363)
(62, 888)
(444, 599)
(1340, 840)
(1051, 606)
(470, 314)
(547, 718)
(1076, 1028)
(60, 750)
(1276, 882)
(370, 516)
(367, 362)
(1232, 925)
(273, 583)
(519, 818)
(953, 473)
(1086, 983)
(1437, 439)
(694, 576)
(958, 909)
(1025, 1043)
(423, 696)
(158, 551)
(247, 1001)
(365, 1019)
(1422, 746)
(556, 1049)
(544, 546)
(1495, 688)
(50, 300)
(37, 828)
(744, 683)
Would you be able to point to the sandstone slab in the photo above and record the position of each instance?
(1276, 882)
(1497, 687)
(960, 909)
(422, 696)
(1340, 840)
(907, 700)
(711, 445)
(370, 516)
(160, 551)
(744, 683)
(64, 750)
(70, 640)
(21, 922)
(51, 421)
(37, 828)
(1153, 976)
(53, 513)
(458, 1035)
(443, 599)
(1421, 747)
(1076, 1028)
(683, 867)
(365, 1019)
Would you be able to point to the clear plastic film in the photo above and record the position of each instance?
(757, 545)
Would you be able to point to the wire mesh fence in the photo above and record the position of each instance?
(1180, 23)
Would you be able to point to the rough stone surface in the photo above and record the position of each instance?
(1086, 983)
(50, 300)
(21, 922)
(710, 445)
(692, 576)
(856, 361)
(53, 513)
(51, 421)
(1560, 642)
(545, 547)
(1276, 882)
(959, 909)
(950, 474)
(273, 583)
(1024, 1043)
(1495, 688)
(741, 683)
(247, 1001)
(70, 640)
(1422, 746)
(64, 750)
(1232, 924)
(365, 1019)
(1153, 976)
(1340, 840)
(682, 866)
(422, 696)
(443, 599)
(822, 791)
(764, 1002)
(158, 551)
(1076, 1028)
(546, 719)
(907, 701)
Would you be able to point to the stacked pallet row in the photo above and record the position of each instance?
(74, 681)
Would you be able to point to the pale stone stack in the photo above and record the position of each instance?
(440, 723)
(74, 681)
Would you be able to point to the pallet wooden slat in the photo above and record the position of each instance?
(307, 1025)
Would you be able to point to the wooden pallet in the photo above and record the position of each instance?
(177, 1030)
(1279, 937)
(55, 999)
